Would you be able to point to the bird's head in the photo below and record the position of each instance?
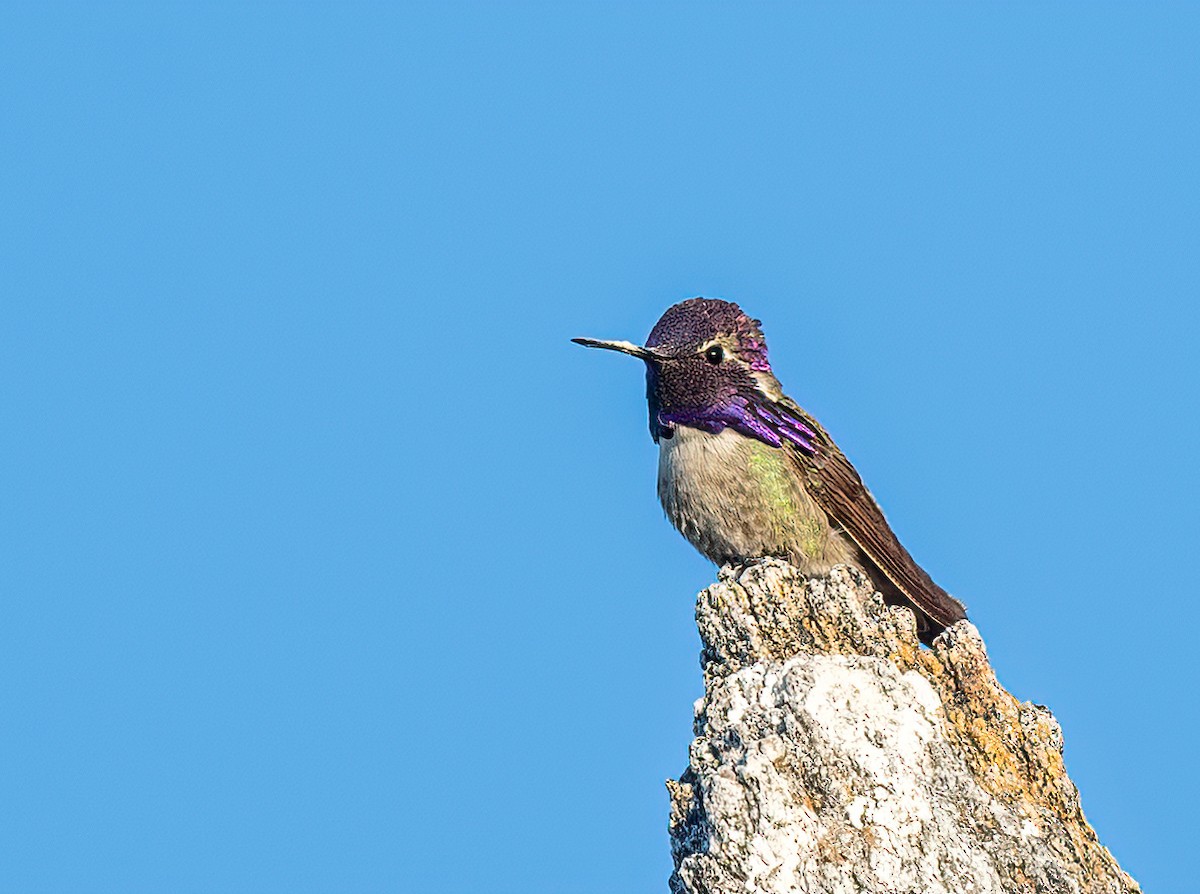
(707, 368)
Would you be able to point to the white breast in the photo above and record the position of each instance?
(706, 490)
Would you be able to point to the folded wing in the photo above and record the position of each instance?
(837, 488)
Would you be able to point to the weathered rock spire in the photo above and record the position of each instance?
(834, 754)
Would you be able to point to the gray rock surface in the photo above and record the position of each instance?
(834, 754)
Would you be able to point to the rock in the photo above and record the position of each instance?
(834, 754)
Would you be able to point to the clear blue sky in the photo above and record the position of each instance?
(329, 564)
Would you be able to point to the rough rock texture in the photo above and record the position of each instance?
(834, 754)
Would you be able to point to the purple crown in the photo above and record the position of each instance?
(685, 326)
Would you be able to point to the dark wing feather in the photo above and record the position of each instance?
(837, 488)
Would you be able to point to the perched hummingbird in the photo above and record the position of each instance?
(744, 473)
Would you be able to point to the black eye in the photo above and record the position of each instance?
(715, 354)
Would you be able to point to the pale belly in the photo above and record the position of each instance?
(736, 498)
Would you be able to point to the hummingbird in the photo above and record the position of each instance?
(744, 473)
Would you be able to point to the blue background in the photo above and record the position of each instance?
(329, 564)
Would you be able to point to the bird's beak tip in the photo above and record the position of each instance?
(623, 347)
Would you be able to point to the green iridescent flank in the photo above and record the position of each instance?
(768, 468)
(812, 538)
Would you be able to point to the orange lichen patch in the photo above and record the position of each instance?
(835, 846)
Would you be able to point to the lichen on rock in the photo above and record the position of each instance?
(834, 754)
